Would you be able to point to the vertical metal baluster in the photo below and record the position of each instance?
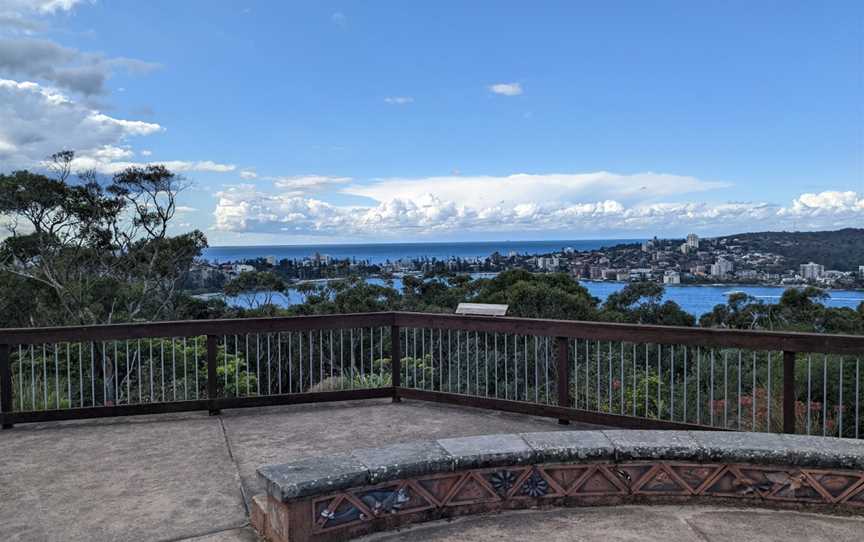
(495, 355)
(610, 377)
(635, 383)
(414, 355)
(686, 375)
(857, 395)
(809, 380)
(162, 366)
(458, 363)
(312, 358)
(449, 364)
(698, 384)
(753, 408)
(526, 369)
(257, 364)
(768, 403)
(824, 394)
(575, 373)
(351, 352)
(659, 379)
(476, 363)
(321, 355)
(185, 373)
(840, 405)
(598, 399)
(467, 362)
(152, 391)
(300, 362)
(587, 375)
(236, 366)
(506, 374)
(647, 392)
(69, 375)
(672, 382)
(380, 352)
(623, 384)
(92, 373)
(332, 369)
(711, 391)
(726, 389)
(738, 427)
(80, 373)
(173, 369)
(269, 374)
(536, 372)
(56, 377)
(195, 360)
(291, 363)
(546, 362)
(423, 358)
(342, 356)
(248, 367)
(44, 378)
(279, 361)
(128, 369)
(21, 406)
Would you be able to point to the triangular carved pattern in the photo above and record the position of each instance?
(660, 480)
(598, 481)
(835, 486)
(696, 476)
(472, 489)
(553, 488)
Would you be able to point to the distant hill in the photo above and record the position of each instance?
(842, 250)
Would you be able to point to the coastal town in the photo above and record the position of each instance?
(692, 260)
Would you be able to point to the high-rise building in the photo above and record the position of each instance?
(721, 268)
(811, 271)
(693, 241)
(861, 271)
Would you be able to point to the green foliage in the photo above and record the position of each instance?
(89, 253)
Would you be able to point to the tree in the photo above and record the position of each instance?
(93, 253)
(257, 288)
(642, 303)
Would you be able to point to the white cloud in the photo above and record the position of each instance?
(36, 121)
(339, 19)
(248, 174)
(399, 100)
(146, 153)
(479, 191)
(506, 89)
(249, 209)
(305, 184)
(38, 6)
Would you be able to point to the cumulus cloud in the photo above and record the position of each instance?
(506, 89)
(399, 100)
(63, 67)
(248, 174)
(247, 208)
(36, 121)
(39, 6)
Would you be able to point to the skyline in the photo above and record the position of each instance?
(338, 123)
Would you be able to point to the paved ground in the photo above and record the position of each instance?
(177, 477)
(637, 523)
(184, 478)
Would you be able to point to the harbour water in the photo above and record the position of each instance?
(696, 300)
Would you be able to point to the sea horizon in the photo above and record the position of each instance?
(382, 252)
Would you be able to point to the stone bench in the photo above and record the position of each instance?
(347, 495)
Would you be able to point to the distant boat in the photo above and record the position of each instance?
(733, 292)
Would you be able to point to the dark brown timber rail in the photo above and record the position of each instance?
(560, 330)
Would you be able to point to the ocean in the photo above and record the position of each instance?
(383, 252)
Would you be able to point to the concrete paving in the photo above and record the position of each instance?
(189, 476)
(636, 523)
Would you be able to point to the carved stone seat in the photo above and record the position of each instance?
(343, 496)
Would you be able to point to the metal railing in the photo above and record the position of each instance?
(614, 374)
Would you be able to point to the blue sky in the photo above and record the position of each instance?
(408, 121)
